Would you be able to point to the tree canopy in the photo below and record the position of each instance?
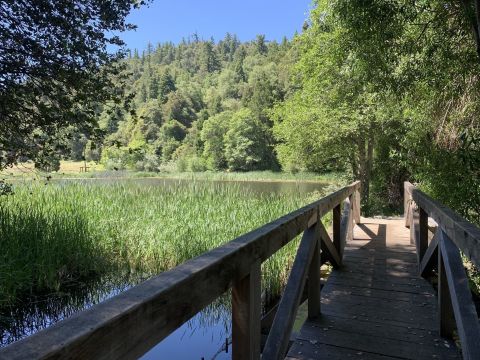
(202, 104)
(55, 69)
(390, 88)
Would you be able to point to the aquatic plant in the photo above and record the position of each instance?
(58, 233)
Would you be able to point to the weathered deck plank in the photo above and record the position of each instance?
(376, 306)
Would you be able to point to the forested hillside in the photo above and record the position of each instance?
(385, 91)
(197, 105)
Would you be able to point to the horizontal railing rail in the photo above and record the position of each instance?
(129, 324)
(440, 251)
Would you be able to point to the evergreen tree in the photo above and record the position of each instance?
(143, 93)
(260, 45)
(208, 58)
(154, 87)
(166, 86)
(238, 60)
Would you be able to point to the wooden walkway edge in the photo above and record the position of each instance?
(376, 306)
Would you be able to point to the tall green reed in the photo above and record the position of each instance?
(63, 232)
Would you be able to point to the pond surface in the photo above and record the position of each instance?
(259, 187)
(206, 335)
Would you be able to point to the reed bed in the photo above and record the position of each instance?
(60, 233)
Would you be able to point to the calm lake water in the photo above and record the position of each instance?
(206, 335)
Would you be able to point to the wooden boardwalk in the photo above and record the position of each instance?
(376, 306)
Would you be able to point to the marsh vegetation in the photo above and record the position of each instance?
(60, 237)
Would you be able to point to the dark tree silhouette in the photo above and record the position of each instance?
(55, 69)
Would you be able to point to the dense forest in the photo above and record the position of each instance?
(382, 91)
(197, 105)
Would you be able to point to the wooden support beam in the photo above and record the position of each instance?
(314, 280)
(351, 200)
(407, 202)
(455, 299)
(345, 225)
(329, 252)
(430, 259)
(278, 339)
(415, 233)
(445, 310)
(267, 319)
(356, 207)
(422, 234)
(246, 315)
(336, 226)
(411, 223)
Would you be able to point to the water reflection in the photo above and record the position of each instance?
(256, 187)
(206, 336)
(39, 311)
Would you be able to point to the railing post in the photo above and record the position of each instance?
(336, 224)
(445, 309)
(407, 198)
(246, 315)
(414, 227)
(423, 234)
(356, 207)
(314, 278)
(352, 200)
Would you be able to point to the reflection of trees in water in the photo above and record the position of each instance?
(217, 314)
(40, 311)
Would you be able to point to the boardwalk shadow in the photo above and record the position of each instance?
(375, 240)
(375, 305)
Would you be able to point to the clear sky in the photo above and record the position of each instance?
(170, 20)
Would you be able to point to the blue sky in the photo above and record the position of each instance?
(170, 20)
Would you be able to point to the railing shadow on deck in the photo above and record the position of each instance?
(439, 234)
(129, 324)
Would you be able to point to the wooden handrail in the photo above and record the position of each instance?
(129, 324)
(464, 234)
(456, 298)
(452, 234)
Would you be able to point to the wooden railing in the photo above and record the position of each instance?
(129, 324)
(439, 242)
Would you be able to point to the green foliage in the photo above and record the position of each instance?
(56, 71)
(213, 134)
(71, 231)
(173, 130)
(180, 108)
(245, 145)
(181, 88)
(166, 86)
(388, 90)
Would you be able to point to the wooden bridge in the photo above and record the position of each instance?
(376, 304)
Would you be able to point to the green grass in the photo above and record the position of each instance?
(55, 234)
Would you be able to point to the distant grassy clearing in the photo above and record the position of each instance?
(60, 233)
